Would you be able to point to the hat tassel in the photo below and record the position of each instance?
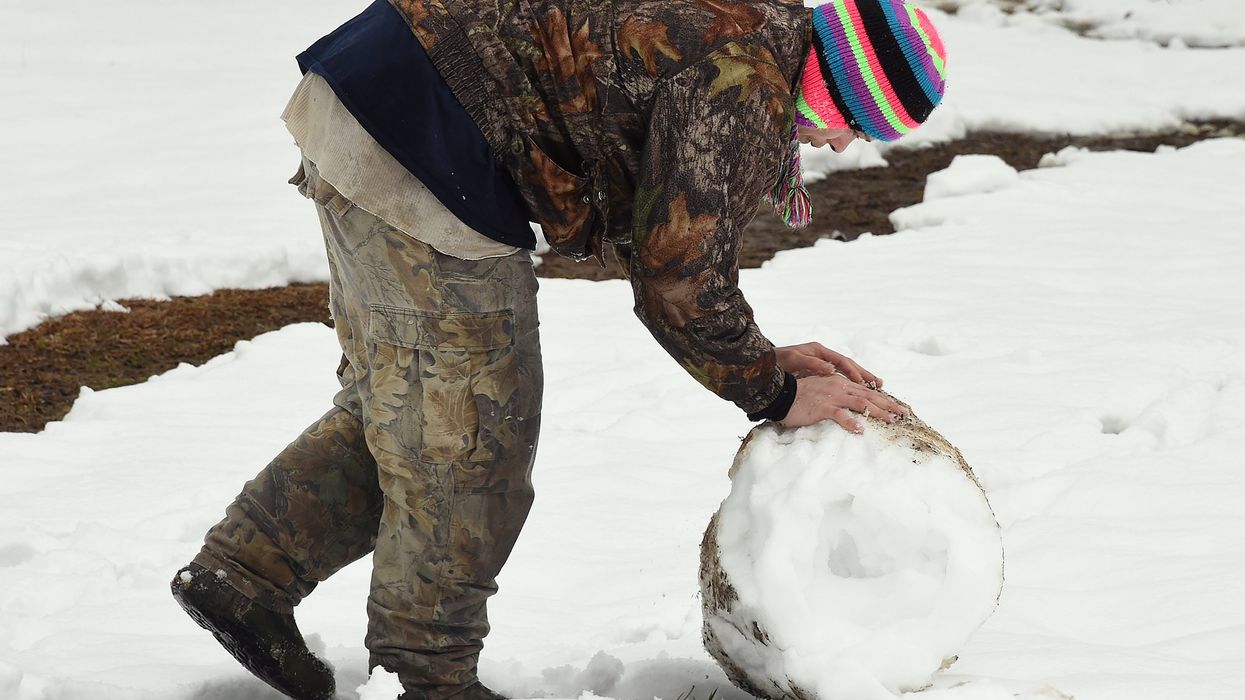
(788, 195)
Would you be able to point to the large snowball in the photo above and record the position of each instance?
(847, 567)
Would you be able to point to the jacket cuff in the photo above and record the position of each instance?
(778, 408)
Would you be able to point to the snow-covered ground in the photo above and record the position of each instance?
(1077, 331)
(1201, 23)
(143, 154)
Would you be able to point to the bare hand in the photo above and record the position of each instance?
(837, 398)
(815, 359)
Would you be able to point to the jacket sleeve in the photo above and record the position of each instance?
(716, 137)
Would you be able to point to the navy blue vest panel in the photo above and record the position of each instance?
(380, 72)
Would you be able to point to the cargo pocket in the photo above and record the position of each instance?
(441, 382)
(444, 386)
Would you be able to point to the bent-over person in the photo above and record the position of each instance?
(432, 132)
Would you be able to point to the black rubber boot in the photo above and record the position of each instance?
(267, 643)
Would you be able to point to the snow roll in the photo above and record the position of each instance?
(847, 567)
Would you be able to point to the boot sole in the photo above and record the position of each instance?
(259, 660)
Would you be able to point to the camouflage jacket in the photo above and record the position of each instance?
(655, 126)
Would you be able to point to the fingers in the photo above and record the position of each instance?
(868, 378)
(852, 370)
(872, 407)
(802, 361)
(821, 367)
(839, 399)
(845, 365)
(808, 366)
(844, 418)
(880, 404)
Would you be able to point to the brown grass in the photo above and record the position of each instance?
(42, 369)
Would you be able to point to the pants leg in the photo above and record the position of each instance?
(427, 456)
(314, 509)
(445, 354)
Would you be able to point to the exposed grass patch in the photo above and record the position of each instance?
(42, 369)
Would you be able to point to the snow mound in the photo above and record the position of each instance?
(381, 685)
(847, 567)
(970, 174)
(1065, 156)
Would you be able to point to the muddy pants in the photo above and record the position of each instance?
(425, 459)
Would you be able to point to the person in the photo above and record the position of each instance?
(432, 131)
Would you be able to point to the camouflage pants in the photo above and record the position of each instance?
(425, 460)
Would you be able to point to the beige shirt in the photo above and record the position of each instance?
(350, 160)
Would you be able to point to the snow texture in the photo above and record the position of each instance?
(381, 685)
(971, 174)
(143, 160)
(1172, 23)
(1079, 334)
(853, 566)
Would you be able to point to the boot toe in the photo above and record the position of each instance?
(267, 643)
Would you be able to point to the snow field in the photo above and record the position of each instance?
(143, 153)
(1177, 23)
(866, 562)
(1020, 73)
(144, 156)
(1077, 331)
(1077, 334)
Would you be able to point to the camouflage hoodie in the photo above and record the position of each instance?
(655, 126)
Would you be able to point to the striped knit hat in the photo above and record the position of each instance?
(876, 66)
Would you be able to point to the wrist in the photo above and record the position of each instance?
(781, 405)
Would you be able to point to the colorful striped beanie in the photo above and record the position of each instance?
(875, 66)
